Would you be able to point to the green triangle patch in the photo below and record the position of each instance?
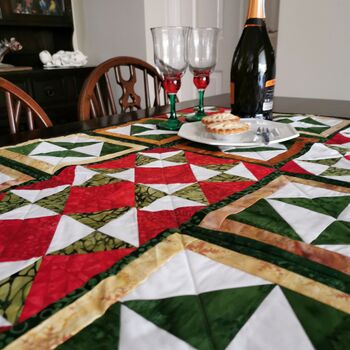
(99, 219)
(228, 310)
(56, 202)
(72, 145)
(328, 162)
(177, 158)
(141, 159)
(102, 334)
(333, 171)
(26, 149)
(192, 193)
(11, 201)
(326, 327)
(145, 195)
(262, 215)
(100, 180)
(331, 206)
(94, 242)
(336, 233)
(109, 148)
(136, 129)
(14, 291)
(210, 320)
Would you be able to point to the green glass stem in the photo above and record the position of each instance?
(172, 123)
(200, 111)
(200, 108)
(172, 99)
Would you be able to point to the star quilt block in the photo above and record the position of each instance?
(53, 154)
(330, 160)
(312, 215)
(11, 177)
(103, 211)
(312, 124)
(186, 293)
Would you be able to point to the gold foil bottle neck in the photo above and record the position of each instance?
(256, 9)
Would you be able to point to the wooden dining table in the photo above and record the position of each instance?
(115, 234)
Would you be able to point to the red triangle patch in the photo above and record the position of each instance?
(59, 275)
(215, 191)
(258, 171)
(294, 168)
(125, 162)
(338, 139)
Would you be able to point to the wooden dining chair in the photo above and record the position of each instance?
(129, 76)
(22, 109)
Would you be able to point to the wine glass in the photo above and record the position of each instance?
(202, 52)
(170, 56)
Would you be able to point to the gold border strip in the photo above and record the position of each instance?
(75, 317)
(51, 169)
(104, 131)
(17, 177)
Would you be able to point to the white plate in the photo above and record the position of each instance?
(279, 132)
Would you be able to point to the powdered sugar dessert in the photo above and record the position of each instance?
(220, 117)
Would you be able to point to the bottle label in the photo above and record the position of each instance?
(269, 92)
(268, 100)
(232, 93)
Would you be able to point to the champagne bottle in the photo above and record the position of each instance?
(253, 68)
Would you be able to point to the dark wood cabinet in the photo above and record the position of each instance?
(56, 90)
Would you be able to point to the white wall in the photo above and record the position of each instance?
(108, 28)
(313, 54)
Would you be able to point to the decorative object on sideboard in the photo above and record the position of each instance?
(7, 46)
(63, 59)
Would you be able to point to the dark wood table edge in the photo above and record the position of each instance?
(331, 108)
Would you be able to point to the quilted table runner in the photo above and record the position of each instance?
(129, 237)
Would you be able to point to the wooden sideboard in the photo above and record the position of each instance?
(56, 90)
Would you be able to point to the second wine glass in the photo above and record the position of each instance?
(170, 56)
(202, 52)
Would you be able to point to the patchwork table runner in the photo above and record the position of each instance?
(129, 237)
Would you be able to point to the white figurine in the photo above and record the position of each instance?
(63, 59)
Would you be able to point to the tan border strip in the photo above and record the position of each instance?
(105, 131)
(18, 177)
(75, 317)
(50, 169)
(329, 131)
(294, 149)
(217, 220)
(319, 255)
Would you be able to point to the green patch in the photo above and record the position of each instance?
(332, 206)
(102, 334)
(143, 160)
(100, 180)
(337, 232)
(177, 158)
(72, 145)
(94, 242)
(328, 162)
(11, 202)
(326, 327)
(145, 195)
(99, 219)
(109, 148)
(333, 171)
(193, 193)
(262, 215)
(208, 321)
(312, 121)
(64, 154)
(14, 291)
(26, 149)
(136, 129)
(228, 178)
(56, 202)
